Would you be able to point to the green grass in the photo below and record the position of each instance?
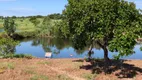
(43, 62)
(39, 77)
(3, 35)
(28, 33)
(63, 77)
(7, 65)
(26, 29)
(29, 72)
(23, 24)
(88, 76)
(27, 56)
(1, 23)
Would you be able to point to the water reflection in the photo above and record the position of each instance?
(59, 47)
(63, 49)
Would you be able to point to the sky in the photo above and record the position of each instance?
(137, 2)
(37, 7)
(31, 7)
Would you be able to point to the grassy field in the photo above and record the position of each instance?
(26, 28)
(1, 23)
(23, 24)
(64, 69)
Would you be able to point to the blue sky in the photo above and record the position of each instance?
(31, 7)
(137, 2)
(37, 7)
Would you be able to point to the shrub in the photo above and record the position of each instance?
(7, 46)
(27, 34)
(27, 56)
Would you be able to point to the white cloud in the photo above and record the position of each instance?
(6, 0)
(22, 9)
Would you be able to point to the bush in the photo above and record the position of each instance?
(3, 35)
(27, 56)
(26, 34)
(7, 46)
(9, 26)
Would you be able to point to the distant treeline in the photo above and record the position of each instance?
(51, 16)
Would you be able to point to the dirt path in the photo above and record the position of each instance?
(65, 73)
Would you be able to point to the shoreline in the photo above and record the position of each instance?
(83, 58)
(68, 58)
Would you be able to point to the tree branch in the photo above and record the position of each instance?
(98, 42)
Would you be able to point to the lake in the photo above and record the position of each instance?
(63, 49)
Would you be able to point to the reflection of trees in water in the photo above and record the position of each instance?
(35, 42)
(51, 44)
(95, 45)
(56, 45)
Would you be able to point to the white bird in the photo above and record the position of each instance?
(71, 55)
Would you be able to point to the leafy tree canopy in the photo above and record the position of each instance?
(112, 24)
(9, 26)
(7, 46)
(34, 20)
(55, 16)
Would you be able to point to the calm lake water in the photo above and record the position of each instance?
(63, 49)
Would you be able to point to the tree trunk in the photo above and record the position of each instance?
(90, 53)
(104, 47)
(106, 60)
(106, 54)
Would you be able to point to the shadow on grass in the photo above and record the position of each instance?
(118, 67)
(79, 60)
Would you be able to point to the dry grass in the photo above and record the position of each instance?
(54, 69)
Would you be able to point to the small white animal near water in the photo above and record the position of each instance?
(48, 54)
(71, 55)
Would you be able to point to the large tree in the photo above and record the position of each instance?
(112, 24)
